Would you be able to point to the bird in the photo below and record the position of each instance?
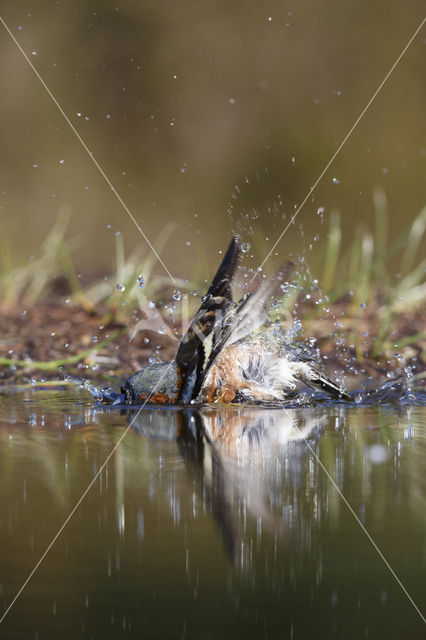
(231, 353)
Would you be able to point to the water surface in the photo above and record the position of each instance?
(218, 523)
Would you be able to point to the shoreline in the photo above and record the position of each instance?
(50, 340)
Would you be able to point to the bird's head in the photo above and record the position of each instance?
(157, 383)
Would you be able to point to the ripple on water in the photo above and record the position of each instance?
(224, 505)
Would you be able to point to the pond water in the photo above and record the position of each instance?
(211, 523)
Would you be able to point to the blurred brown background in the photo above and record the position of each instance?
(224, 110)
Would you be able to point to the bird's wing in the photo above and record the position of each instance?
(191, 357)
(251, 312)
(239, 320)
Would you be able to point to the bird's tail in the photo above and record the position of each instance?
(317, 380)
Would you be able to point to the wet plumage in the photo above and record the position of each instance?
(226, 356)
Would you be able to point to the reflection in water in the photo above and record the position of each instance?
(228, 452)
(253, 465)
(144, 547)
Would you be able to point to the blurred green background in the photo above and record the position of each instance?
(216, 115)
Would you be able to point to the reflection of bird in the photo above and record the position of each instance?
(226, 356)
(213, 442)
(257, 431)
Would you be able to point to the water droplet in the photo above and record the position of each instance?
(177, 295)
(34, 53)
(120, 287)
(117, 233)
(141, 281)
(61, 161)
(363, 305)
(245, 247)
(336, 181)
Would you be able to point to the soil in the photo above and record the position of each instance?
(58, 331)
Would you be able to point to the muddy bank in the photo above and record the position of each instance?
(47, 341)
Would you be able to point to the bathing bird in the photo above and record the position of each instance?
(231, 352)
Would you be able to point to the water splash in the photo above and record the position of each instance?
(106, 395)
(395, 391)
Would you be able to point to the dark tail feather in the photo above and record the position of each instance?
(221, 283)
(191, 357)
